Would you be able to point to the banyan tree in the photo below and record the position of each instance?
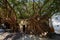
(8, 16)
(39, 23)
(38, 14)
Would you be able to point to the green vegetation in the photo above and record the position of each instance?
(27, 8)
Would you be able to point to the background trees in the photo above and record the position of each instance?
(24, 8)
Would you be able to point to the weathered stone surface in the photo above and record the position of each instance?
(20, 36)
